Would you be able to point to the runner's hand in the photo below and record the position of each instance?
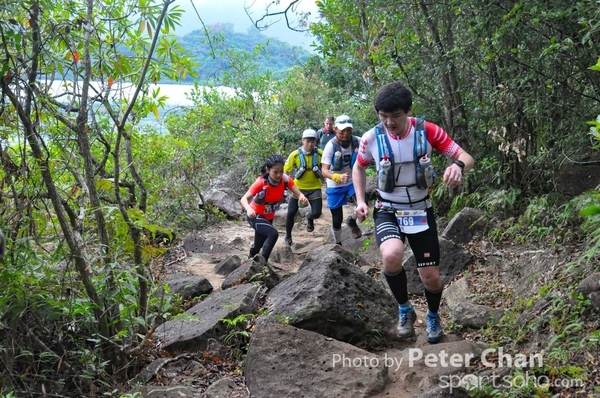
(302, 199)
(361, 211)
(453, 176)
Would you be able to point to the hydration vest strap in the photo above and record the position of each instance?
(285, 181)
(383, 144)
(302, 157)
(337, 147)
(353, 160)
(420, 145)
(315, 158)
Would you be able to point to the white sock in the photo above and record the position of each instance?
(337, 235)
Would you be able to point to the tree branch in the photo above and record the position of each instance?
(262, 23)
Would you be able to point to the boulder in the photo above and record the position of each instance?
(332, 296)
(285, 361)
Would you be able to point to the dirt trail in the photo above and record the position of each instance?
(235, 237)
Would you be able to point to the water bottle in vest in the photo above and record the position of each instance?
(337, 160)
(299, 172)
(382, 174)
(317, 171)
(259, 198)
(425, 172)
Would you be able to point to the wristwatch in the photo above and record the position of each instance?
(460, 164)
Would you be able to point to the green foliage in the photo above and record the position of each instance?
(565, 320)
(591, 210)
(238, 122)
(565, 324)
(260, 117)
(489, 172)
(595, 125)
(507, 329)
(29, 307)
(258, 278)
(237, 328)
(366, 243)
(283, 319)
(500, 203)
(519, 384)
(591, 228)
(175, 181)
(499, 91)
(544, 219)
(301, 101)
(78, 220)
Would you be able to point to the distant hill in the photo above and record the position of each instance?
(277, 57)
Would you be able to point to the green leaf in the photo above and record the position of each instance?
(104, 184)
(154, 228)
(590, 210)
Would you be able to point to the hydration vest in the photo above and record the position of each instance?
(420, 149)
(337, 164)
(315, 161)
(259, 198)
(325, 138)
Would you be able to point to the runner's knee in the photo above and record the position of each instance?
(392, 253)
(430, 276)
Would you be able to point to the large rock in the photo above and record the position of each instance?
(590, 288)
(418, 369)
(225, 200)
(224, 388)
(533, 267)
(284, 361)
(466, 313)
(192, 330)
(189, 287)
(254, 270)
(317, 254)
(332, 296)
(228, 265)
(464, 225)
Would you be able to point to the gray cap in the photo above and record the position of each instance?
(309, 133)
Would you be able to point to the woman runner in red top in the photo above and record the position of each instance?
(262, 200)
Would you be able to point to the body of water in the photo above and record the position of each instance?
(177, 96)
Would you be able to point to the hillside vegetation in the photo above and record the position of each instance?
(216, 54)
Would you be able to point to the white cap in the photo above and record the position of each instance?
(309, 133)
(343, 121)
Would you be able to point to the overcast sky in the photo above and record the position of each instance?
(232, 11)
